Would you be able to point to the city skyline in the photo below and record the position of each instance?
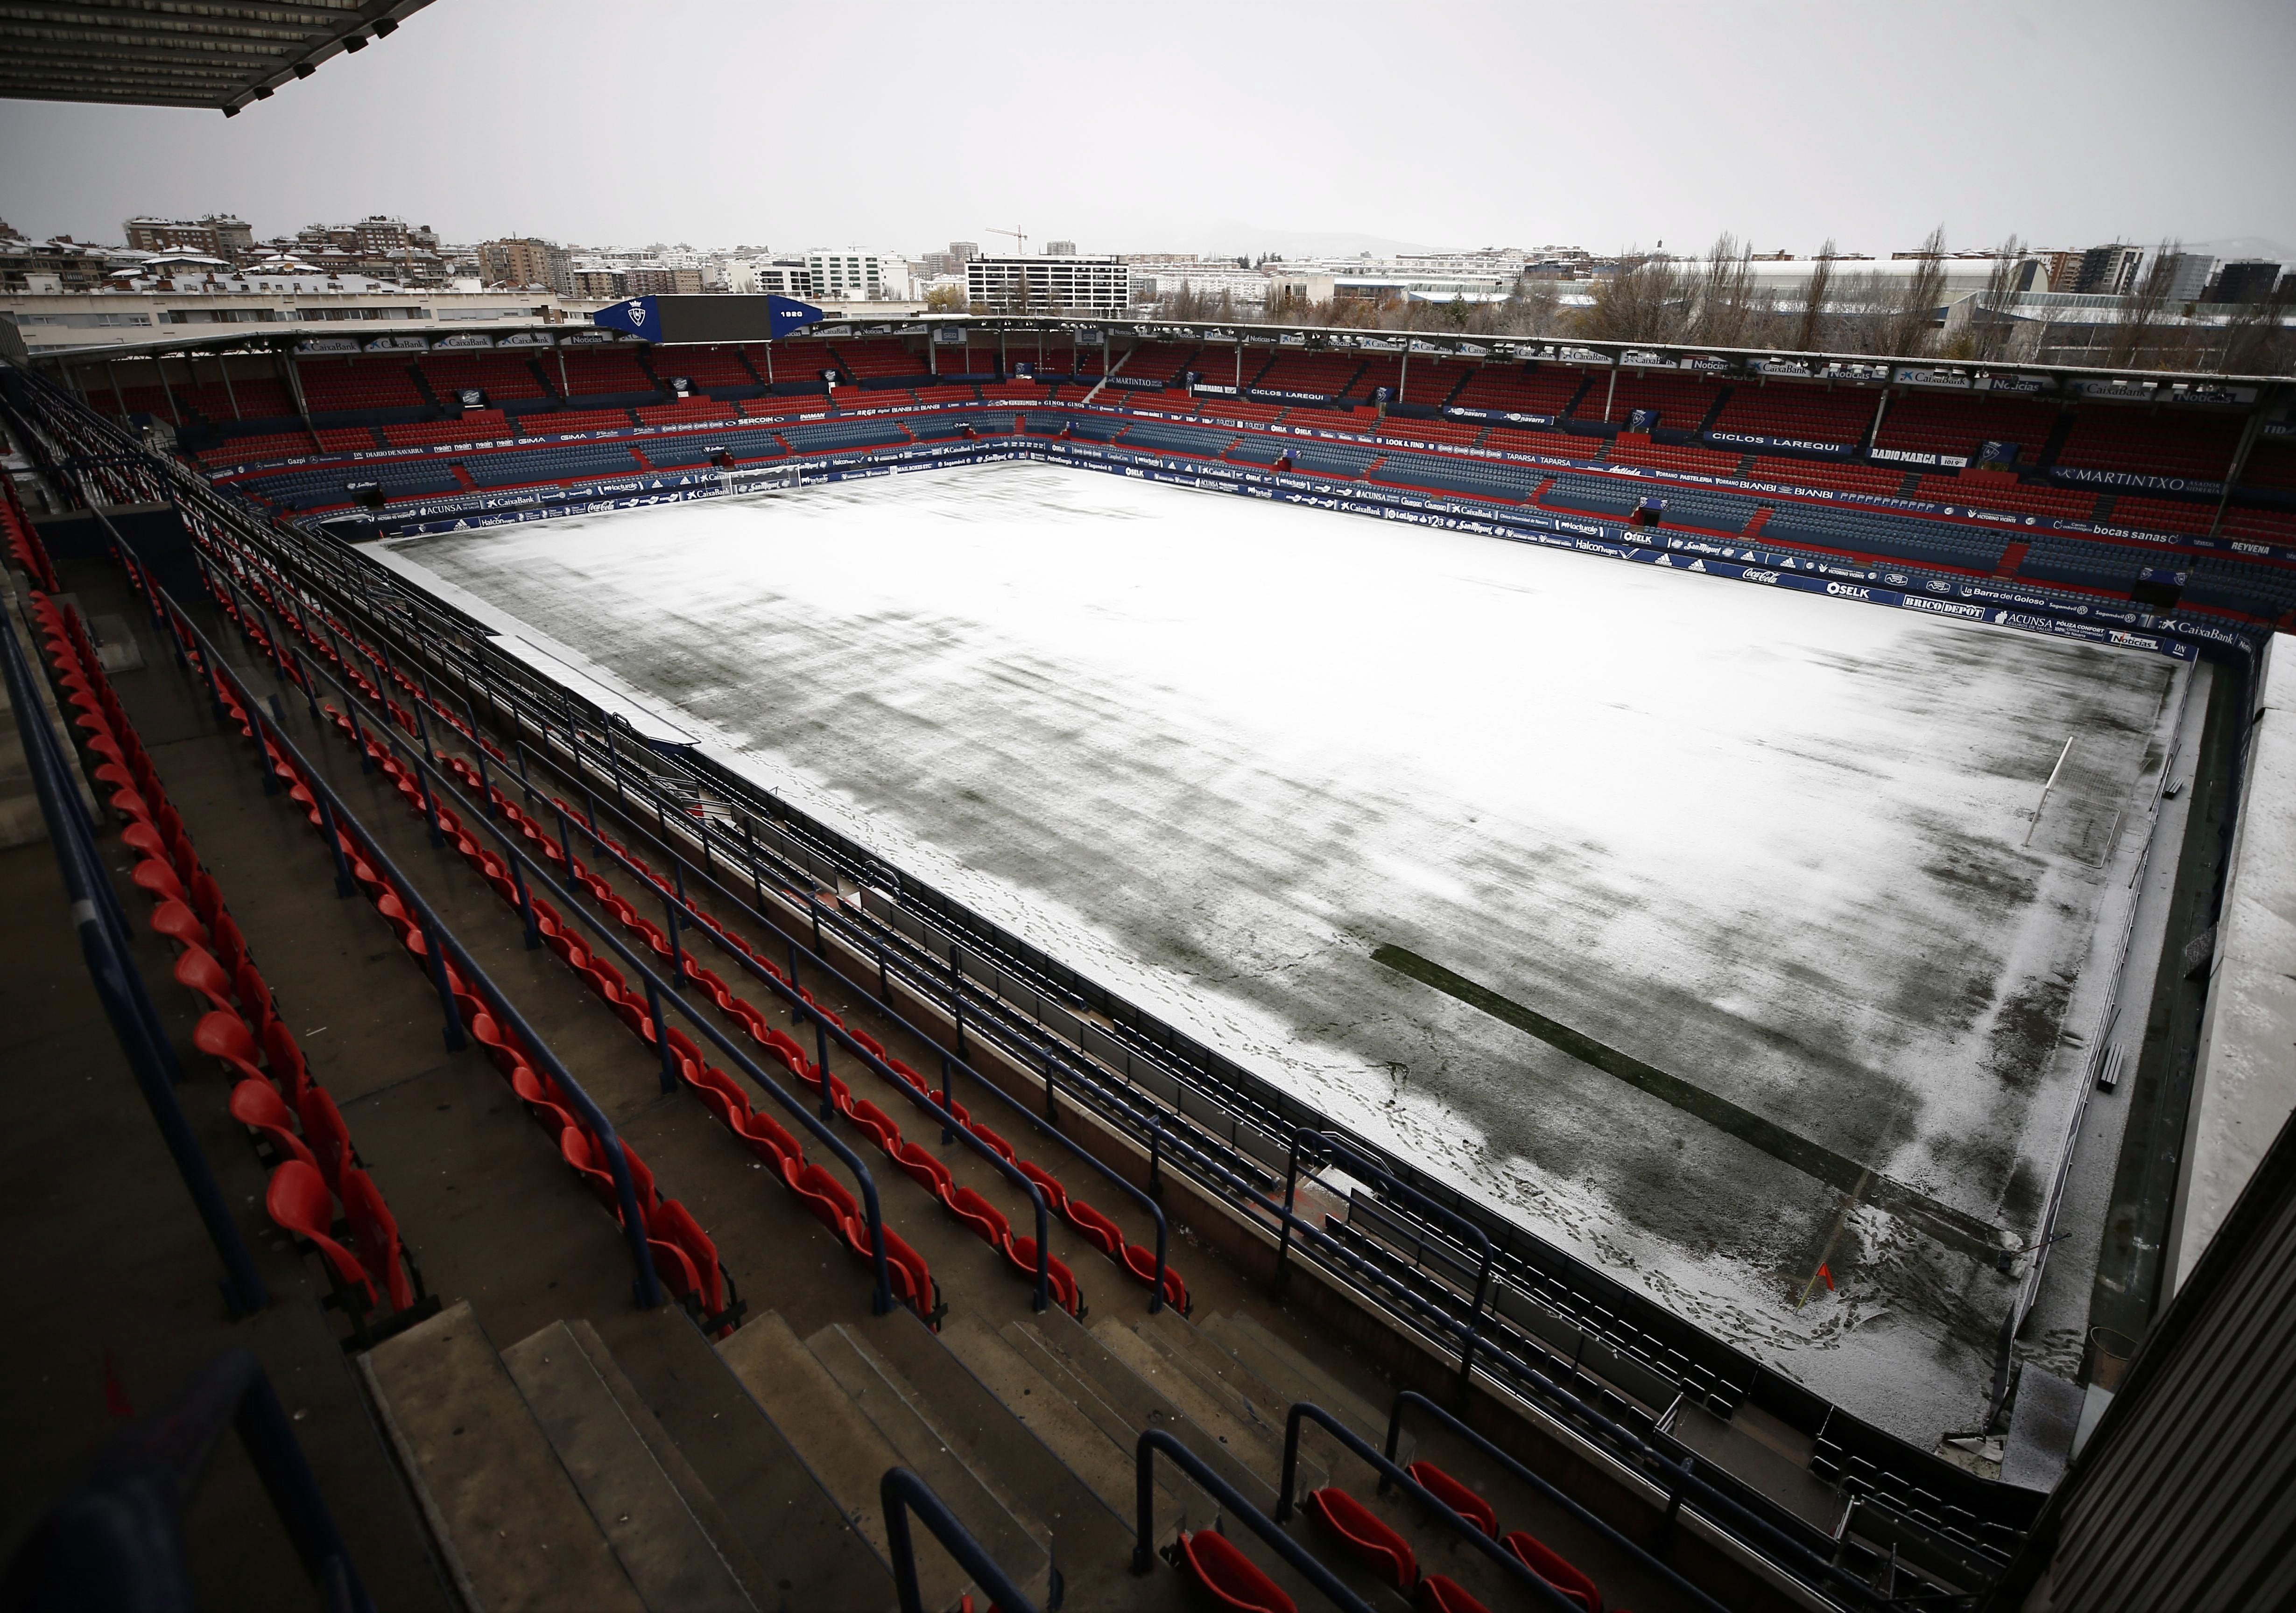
(1784, 127)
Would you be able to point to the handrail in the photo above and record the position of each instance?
(824, 1025)
(116, 1540)
(1541, 1592)
(442, 940)
(900, 1492)
(1143, 1548)
(660, 991)
(1362, 1162)
(1586, 1516)
(707, 871)
(882, 996)
(127, 1005)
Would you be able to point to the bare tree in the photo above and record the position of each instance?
(2144, 314)
(1727, 312)
(1809, 330)
(1990, 327)
(1906, 330)
(1646, 301)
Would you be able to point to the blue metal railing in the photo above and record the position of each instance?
(901, 1493)
(535, 876)
(1231, 1500)
(1585, 1516)
(105, 944)
(118, 1542)
(442, 944)
(674, 901)
(1544, 1594)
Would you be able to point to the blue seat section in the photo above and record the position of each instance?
(1094, 428)
(1593, 495)
(1256, 450)
(1156, 437)
(696, 448)
(2242, 586)
(1044, 423)
(1330, 459)
(2061, 559)
(1511, 483)
(317, 489)
(578, 462)
(829, 436)
(1875, 532)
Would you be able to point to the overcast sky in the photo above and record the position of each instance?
(1237, 126)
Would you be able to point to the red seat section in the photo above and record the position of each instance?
(1364, 1535)
(1227, 1577)
(336, 385)
(1553, 1568)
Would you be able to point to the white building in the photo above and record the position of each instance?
(1206, 277)
(1098, 284)
(853, 276)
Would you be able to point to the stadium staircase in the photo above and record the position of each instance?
(404, 944)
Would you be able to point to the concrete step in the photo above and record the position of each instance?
(842, 1446)
(1293, 1377)
(1210, 1407)
(660, 1518)
(514, 1528)
(1095, 1448)
(779, 1511)
(1248, 1399)
(1106, 1382)
(1005, 1525)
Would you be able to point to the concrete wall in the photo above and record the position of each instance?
(2245, 1075)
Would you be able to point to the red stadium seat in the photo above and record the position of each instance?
(197, 970)
(255, 1105)
(1227, 1577)
(297, 1201)
(375, 1234)
(224, 1035)
(1456, 1496)
(1438, 1594)
(1553, 1568)
(329, 1138)
(1364, 1535)
(177, 922)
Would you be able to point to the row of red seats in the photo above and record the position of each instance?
(1236, 1582)
(1681, 401)
(553, 422)
(2069, 504)
(1671, 456)
(1547, 389)
(313, 1164)
(707, 367)
(726, 1098)
(1797, 410)
(681, 1252)
(499, 375)
(274, 445)
(331, 384)
(1561, 445)
(612, 369)
(1931, 422)
(2105, 436)
(685, 410)
(985, 1220)
(887, 356)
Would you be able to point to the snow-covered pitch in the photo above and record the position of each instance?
(1706, 928)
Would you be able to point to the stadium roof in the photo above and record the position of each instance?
(222, 53)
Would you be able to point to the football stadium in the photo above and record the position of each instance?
(726, 953)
